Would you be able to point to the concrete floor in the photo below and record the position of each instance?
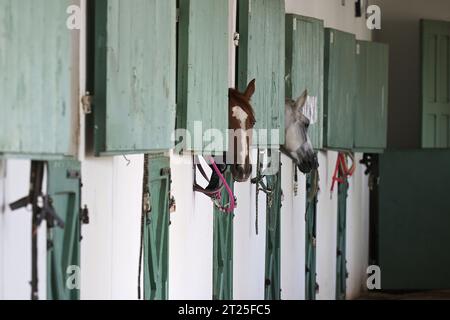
(421, 295)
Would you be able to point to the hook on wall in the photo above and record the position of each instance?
(127, 160)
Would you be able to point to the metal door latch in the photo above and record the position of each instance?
(73, 174)
(86, 102)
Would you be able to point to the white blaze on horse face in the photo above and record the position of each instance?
(241, 116)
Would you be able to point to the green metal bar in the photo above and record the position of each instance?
(311, 220)
(273, 255)
(63, 245)
(156, 230)
(341, 262)
(223, 248)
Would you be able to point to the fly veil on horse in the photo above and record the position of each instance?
(298, 145)
(241, 120)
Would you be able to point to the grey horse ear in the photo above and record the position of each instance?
(300, 103)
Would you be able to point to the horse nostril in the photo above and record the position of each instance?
(316, 162)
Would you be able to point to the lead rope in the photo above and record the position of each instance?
(314, 184)
(295, 179)
(256, 181)
(312, 191)
(261, 186)
(145, 210)
(258, 177)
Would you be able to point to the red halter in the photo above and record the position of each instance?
(342, 171)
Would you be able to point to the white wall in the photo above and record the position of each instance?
(112, 191)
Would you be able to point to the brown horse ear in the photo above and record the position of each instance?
(250, 90)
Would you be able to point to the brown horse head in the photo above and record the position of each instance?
(242, 120)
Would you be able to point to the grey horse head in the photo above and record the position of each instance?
(298, 145)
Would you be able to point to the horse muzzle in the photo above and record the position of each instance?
(309, 163)
(241, 173)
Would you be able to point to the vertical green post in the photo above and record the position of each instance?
(273, 255)
(156, 230)
(223, 248)
(341, 260)
(311, 219)
(63, 245)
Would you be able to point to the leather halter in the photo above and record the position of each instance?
(215, 186)
(342, 172)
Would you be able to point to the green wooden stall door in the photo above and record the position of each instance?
(223, 248)
(132, 70)
(341, 256)
(261, 56)
(414, 220)
(38, 81)
(339, 89)
(273, 238)
(156, 230)
(435, 84)
(311, 219)
(372, 75)
(63, 245)
(304, 69)
(202, 92)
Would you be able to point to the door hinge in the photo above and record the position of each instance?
(178, 15)
(147, 203)
(84, 215)
(86, 102)
(172, 205)
(236, 38)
